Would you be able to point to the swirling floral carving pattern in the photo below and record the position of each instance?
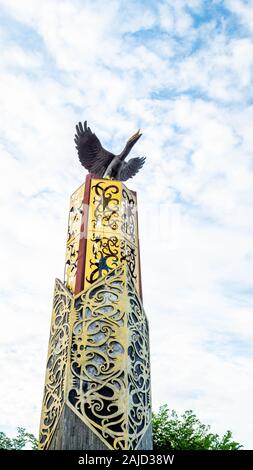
(106, 201)
(75, 213)
(128, 253)
(128, 217)
(139, 385)
(104, 256)
(97, 359)
(54, 391)
(110, 385)
(71, 263)
(113, 232)
(73, 237)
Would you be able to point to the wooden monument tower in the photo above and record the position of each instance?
(97, 386)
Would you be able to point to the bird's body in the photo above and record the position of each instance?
(102, 163)
(113, 170)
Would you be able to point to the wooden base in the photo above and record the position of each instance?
(72, 434)
(147, 440)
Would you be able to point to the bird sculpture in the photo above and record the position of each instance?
(102, 163)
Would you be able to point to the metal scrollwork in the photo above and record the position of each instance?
(75, 213)
(139, 385)
(73, 237)
(107, 206)
(109, 361)
(98, 356)
(128, 254)
(54, 392)
(105, 255)
(128, 221)
(113, 238)
(71, 263)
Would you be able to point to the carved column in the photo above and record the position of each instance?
(97, 387)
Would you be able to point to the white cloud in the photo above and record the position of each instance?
(243, 10)
(121, 72)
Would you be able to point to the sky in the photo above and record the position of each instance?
(181, 71)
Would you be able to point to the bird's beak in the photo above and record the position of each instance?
(135, 137)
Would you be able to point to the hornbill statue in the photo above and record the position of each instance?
(102, 163)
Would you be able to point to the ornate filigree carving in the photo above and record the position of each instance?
(139, 385)
(114, 235)
(71, 263)
(129, 216)
(106, 253)
(73, 237)
(128, 253)
(98, 357)
(105, 199)
(103, 258)
(109, 387)
(75, 213)
(54, 392)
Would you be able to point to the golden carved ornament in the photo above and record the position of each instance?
(112, 231)
(56, 371)
(73, 237)
(107, 376)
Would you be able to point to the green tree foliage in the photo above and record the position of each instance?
(22, 440)
(171, 432)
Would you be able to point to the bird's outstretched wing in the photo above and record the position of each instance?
(90, 151)
(130, 168)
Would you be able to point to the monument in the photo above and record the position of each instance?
(97, 393)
